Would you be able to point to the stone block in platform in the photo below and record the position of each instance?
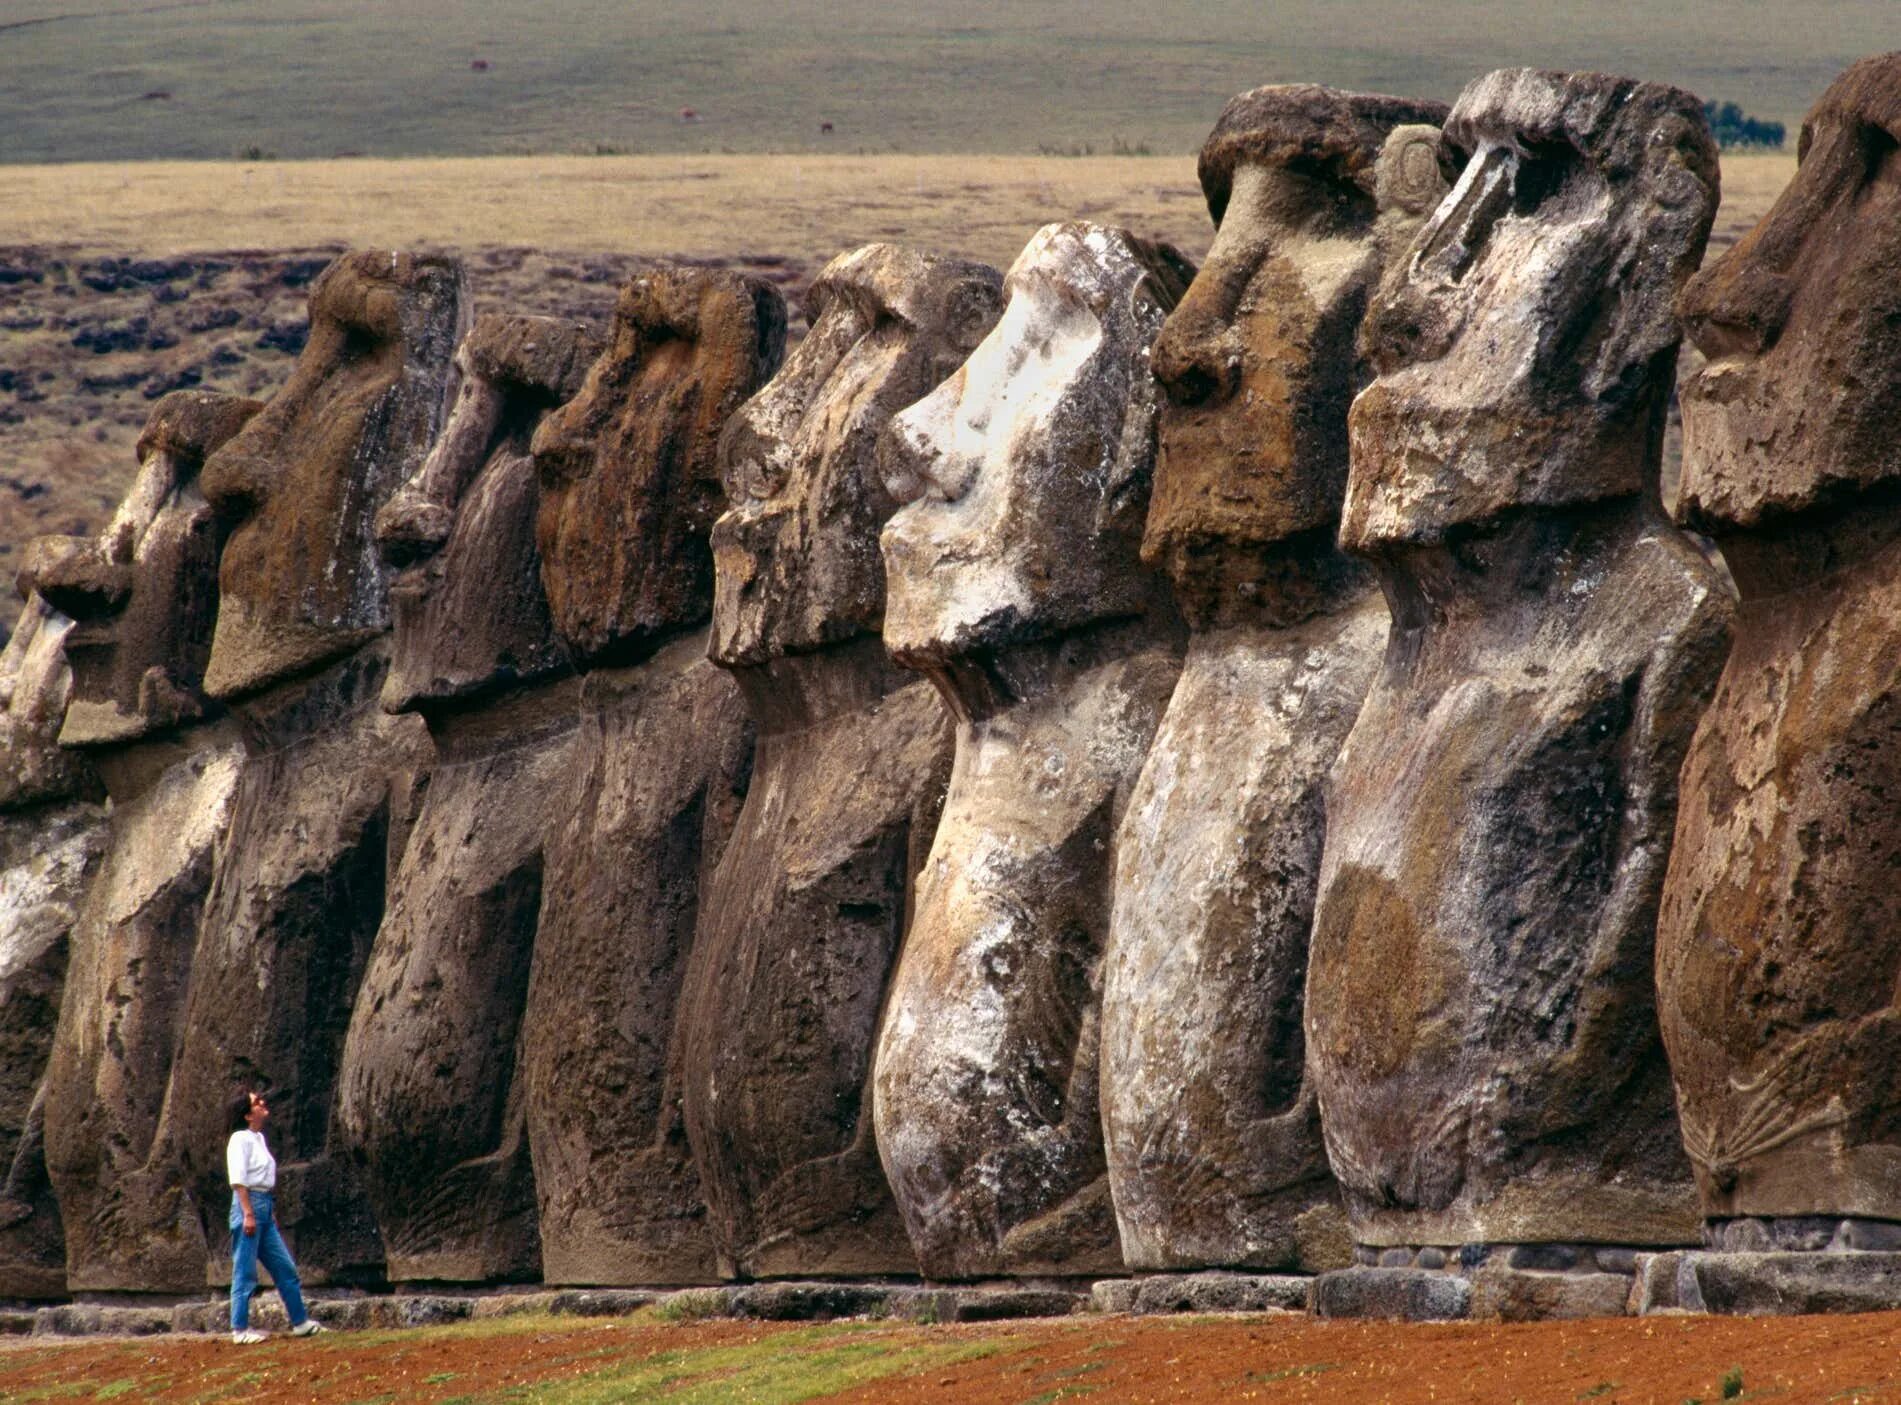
(1214, 1291)
(433, 1311)
(16, 1322)
(1542, 1295)
(93, 1320)
(1772, 1284)
(1398, 1294)
(813, 1302)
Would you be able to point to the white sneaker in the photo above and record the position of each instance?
(249, 1337)
(309, 1327)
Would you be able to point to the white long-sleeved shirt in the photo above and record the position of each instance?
(249, 1162)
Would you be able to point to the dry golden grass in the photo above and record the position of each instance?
(806, 207)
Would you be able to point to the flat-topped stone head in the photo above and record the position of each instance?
(1025, 476)
(144, 593)
(35, 684)
(470, 613)
(1310, 188)
(301, 582)
(1798, 402)
(629, 467)
(1524, 345)
(796, 558)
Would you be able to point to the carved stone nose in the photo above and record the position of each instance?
(1735, 308)
(410, 527)
(1193, 361)
(234, 479)
(72, 577)
(561, 449)
(904, 455)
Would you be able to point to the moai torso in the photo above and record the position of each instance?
(52, 830)
(300, 656)
(1481, 1021)
(629, 490)
(802, 924)
(429, 1098)
(144, 598)
(1213, 1136)
(1014, 583)
(1780, 943)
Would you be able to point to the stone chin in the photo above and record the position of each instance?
(1426, 465)
(952, 610)
(250, 651)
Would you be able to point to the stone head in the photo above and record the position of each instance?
(796, 561)
(1025, 476)
(35, 683)
(1801, 322)
(629, 467)
(1524, 345)
(301, 581)
(143, 595)
(469, 610)
(1309, 188)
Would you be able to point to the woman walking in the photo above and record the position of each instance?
(254, 1235)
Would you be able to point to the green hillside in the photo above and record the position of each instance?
(105, 81)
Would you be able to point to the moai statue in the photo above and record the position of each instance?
(1480, 1010)
(629, 490)
(144, 595)
(1213, 1136)
(429, 1098)
(300, 656)
(1015, 584)
(52, 830)
(1780, 942)
(801, 927)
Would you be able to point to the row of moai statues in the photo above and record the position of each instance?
(1109, 766)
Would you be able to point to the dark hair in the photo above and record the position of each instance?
(240, 1110)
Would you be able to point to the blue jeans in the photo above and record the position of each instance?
(267, 1244)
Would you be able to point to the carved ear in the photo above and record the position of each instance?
(1413, 171)
(1662, 236)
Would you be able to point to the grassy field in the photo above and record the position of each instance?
(206, 79)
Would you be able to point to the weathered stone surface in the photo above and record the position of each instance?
(51, 835)
(1399, 1294)
(1210, 1122)
(36, 686)
(629, 483)
(144, 596)
(1014, 583)
(92, 1320)
(324, 799)
(802, 924)
(319, 818)
(428, 1096)
(1780, 941)
(629, 468)
(300, 579)
(127, 1228)
(1524, 1295)
(1481, 1018)
(1203, 1292)
(144, 593)
(1785, 1284)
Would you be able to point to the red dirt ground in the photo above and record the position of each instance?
(1183, 1361)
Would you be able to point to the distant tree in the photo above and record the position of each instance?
(1734, 127)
